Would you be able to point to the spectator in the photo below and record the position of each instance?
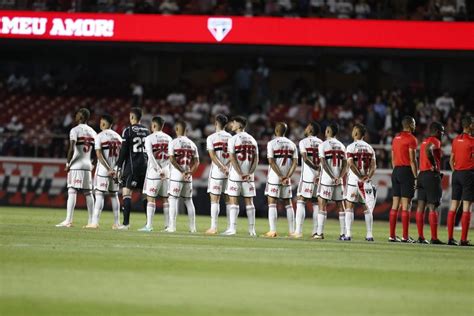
(243, 81)
(447, 11)
(344, 9)
(380, 107)
(362, 9)
(176, 98)
(286, 7)
(169, 7)
(137, 94)
(445, 104)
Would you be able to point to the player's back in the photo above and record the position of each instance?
(310, 146)
(184, 150)
(361, 154)
(218, 142)
(401, 144)
(84, 136)
(333, 152)
(110, 143)
(463, 150)
(425, 163)
(282, 150)
(134, 136)
(245, 148)
(157, 144)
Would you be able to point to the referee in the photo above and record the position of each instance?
(429, 183)
(462, 182)
(404, 175)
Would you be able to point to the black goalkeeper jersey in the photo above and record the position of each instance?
(132, 154)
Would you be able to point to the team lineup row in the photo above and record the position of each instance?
(162, 167)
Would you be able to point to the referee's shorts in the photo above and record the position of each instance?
(133, 177)
(429, 187)
(403, 182)
(462, 183)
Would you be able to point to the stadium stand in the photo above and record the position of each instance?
(433, 10)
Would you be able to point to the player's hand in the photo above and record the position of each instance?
(416, 184)
(316, 180)
(286, 181)
(336, 180)
(162, 175)
(245, 177)
(111, 173)
(66, 168)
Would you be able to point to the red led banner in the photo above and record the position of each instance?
(237, 30)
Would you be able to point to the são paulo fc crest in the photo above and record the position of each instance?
(219, 27)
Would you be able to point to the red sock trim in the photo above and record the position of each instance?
(434, 224)
(450, 223)
(393, 222)
(465, 221)
(405, 223)
(420, 221)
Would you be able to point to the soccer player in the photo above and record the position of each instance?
(217, 148)
(184, 159)
(79, 166)
(132, 163)
(157, 173)
(429, 183)
(282, 156)
(404, 177)
(462, 164)
(310, 171)
(107, 148)
(362, 165)
(243, 150)
(332, 155)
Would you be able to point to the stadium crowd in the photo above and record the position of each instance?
(381, 111)
(434, 10)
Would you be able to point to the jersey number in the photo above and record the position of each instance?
(138, 144)
(114, 148)
(246, 152)
(160, 151)
(184, 156)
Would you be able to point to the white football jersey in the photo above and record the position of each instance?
(109, 142)
(156, 147)
(218, 143)
(184, 150)
(283, 151)
(84, 136)
(333, 152)
(361, 154)
(245, 149)
(310, 146)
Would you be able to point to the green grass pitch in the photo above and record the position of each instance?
(52, 271)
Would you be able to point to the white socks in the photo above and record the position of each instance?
(99, 205)
(173, 202)
(251, 218)
(315, 217)
(290, 215)
(321, 221)
(90, 205)
(188, 202)
(369, 222)
(71, 204)
(166, 213)
(114, 200)
(300, 215)
(150, 212)
(272, 217)
(349, 220)
(234, 213)
(227, 213)
(342, 222)
(214, 214)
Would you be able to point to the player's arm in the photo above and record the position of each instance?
(70, 154)
(175, 163)
(216, 161)
(102, 160)
(151, 156)
(325, 166)
(430, 154)
(344, 167)
(353, 167)
(194, 164)
(124, 149)
(413, 163)
(294, 164)
(451, 161)
(308, 161)
(392, 159)
(373, 166)
(275, 168)
(253, 167)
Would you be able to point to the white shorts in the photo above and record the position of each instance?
(278, 191)
(355, 193)
(331, 192)
(156, 187)
(216, 186)
(180, 189)
(308, 190)
(240, 188)
(105, 184)
(79, 179)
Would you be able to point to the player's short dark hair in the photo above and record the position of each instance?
(466, 121)
(334, 128)
(436, 127)
(221, 119)
(241, 120)
(316, 127)
(181, 123)
(158, 120)
(108, 118)
(137, 112)
(407, 120)
(281, 128)
(85, 113)
(361, 127)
